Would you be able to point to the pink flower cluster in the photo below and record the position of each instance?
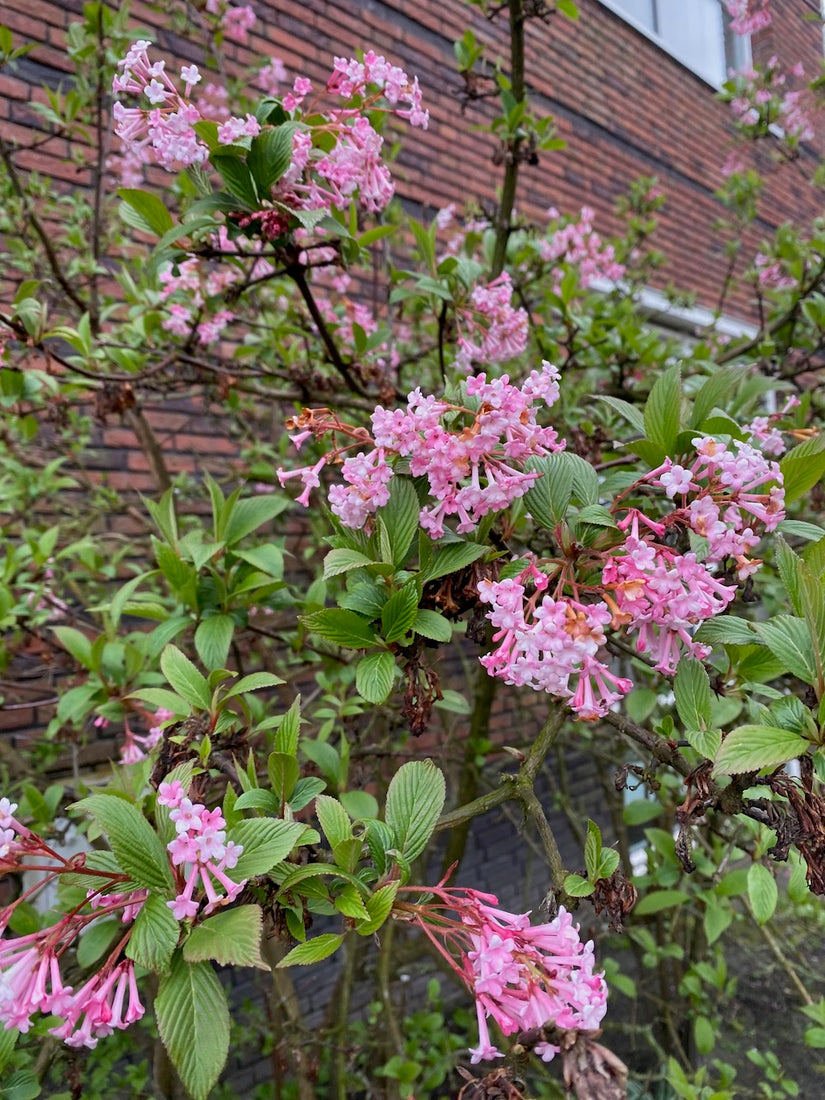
(554, 643)
(546, 645)
(578, 244)
(748, 16)
(725, 479)
(30, 976)
(350, 78)
(164, 132)
(522, 976)
(490, 330)
(135, 745)
(200, 853)
(770, 273)
(472, 468)
(761, 100)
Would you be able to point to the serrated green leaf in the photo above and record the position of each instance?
(399, 518)
(270, 154)
(578, 887)
(803, 467)
(284, 771)
(752, 747)
(717, 918)
(762, 892)
(691, 687)
(432, 625)
(185, 678)
(548, 497)
(789, 640)
(237, 178)
(155, 936)
(253, 682)
(259, 800)
(334, 819)
(232, 938)
(342, 560)
(350, 903)
(76, 643)
(663, 408)
(726, 630)
(21, 1085)
(344, 628)
(712, 391)
(415, 798)
(212, 640)
(374, 677)
(265, 843)
(250, 514)
(312, 951)
(592, 849)
(193, 1021)
(451, 558)
(160, 697)
(379, 906)
(631, 413)
(399, 612)
(133, 841)
(360, 805)
(145, 211)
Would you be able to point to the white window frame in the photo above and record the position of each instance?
(616, 7)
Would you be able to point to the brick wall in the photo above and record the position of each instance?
(624, 106)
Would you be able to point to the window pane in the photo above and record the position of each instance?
(639, 10)
(694, 33)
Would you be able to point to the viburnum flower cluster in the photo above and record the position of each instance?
(490, 329)
(200, 854)
(473, 465)
(30, 974)
(323, 175)
(760, 100)
(748, 16)
(521, 975)
(135, 745)
(555, 641)
(578, 243)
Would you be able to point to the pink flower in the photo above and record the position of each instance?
(237, 23)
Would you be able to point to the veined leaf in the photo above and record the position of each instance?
(751, 747)
(193, 1021)
(231, 938)
(133, 841)
(414, 801)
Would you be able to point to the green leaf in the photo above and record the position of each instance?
(334, 819)
(762, 892)
(96, 940)
(379, 907)
(631, 413)
(577, 887)
(374, 677)
(212, 640)
(185, 678)
(726, 630)
(342, 560)
(399, 612)
(789, 640)
(144, 211)
(592, 849)
(399, 518)
(704, 1034)
(154, 936)
(548, 497)
(250, 514)
(451, 558)
(343, 628)
(692, 689)
(284, 771)
(312, 951)
(76, 643)
(270, 154)
(265, 843)
(712, 391)
(717, 918)
(414, 801)
(803, 467)
(232, 938)
(134, 842)
(21, 1085)
(706, 742)
(360, 805)
(257, 799)
(658, 900)
(750, 748)
(433, 625)
(663, 408)
(193, 1021)
(237, 178)
(253, 682)
(160, 697)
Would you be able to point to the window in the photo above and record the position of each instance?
(696, 33)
